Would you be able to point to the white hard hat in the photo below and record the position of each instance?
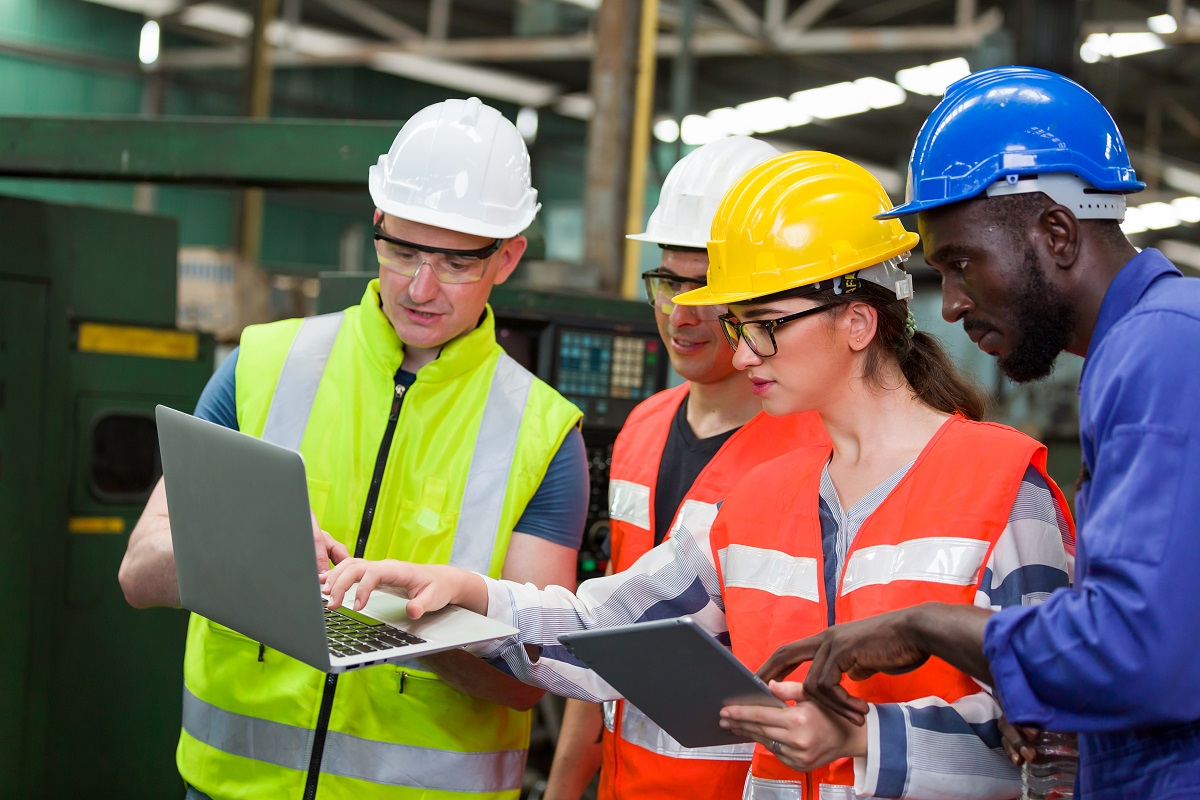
(459, 165)
(694, 188)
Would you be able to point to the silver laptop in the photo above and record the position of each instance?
(245, 558)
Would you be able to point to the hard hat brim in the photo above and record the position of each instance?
(705, 296)
(453, 222)
(667, 241)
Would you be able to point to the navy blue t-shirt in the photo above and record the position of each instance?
(553, 514)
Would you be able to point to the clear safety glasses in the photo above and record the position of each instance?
(760, 334)
(449, 266)
(663, 286)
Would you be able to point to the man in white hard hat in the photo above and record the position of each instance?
(678, 454)
(422, 441)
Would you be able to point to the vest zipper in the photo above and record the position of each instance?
(322, 729)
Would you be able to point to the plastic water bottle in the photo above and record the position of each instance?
(1051, 776)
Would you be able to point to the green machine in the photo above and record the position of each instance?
(89, 687)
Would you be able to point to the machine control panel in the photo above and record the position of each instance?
(607, 374)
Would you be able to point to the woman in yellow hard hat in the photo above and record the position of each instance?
(915, 500)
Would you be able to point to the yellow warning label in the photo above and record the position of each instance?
(128, 340)
(96, 525)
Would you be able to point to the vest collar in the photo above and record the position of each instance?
(458, 356)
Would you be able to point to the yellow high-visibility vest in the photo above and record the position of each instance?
(473, 439)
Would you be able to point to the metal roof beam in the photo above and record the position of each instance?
(370, 18)
(741, 16)
(581, 47)
(808, 14)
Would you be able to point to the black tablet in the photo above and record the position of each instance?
(678, 675)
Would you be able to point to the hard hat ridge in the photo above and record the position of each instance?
(694, 187)
(459, 165)
(800, 219)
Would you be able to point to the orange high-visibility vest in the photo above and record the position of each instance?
(640, 760)
(928, 541)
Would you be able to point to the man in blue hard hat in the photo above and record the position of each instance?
(1019, 179)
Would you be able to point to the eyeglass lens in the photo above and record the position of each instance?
(756, 334)
(446, 268)
(661, 292)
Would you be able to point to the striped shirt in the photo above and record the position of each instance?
(922, 749)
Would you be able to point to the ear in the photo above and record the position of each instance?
(378, 214)
(860, 321)
(509, 256)
(1059, 232)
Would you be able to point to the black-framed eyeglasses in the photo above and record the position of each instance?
(449, 265)
(663, 286)
(760, 334)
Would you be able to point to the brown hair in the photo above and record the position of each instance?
(930, 372)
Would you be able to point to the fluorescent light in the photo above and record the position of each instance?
(732, 121)
(148, 44)
(1133, 221)
(700, 130)
(831, 102)
(932, 79)
(527, 123)
(1187, 208)
(1157, 216)
(666, 130)
(1162, 24)
(772, 114)
(879, 93)
(1118, 45)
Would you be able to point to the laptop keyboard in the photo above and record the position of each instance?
(350, 633)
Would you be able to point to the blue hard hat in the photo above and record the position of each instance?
(1005, 122)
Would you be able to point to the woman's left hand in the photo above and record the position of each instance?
(803, 736)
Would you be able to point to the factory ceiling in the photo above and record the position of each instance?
(715, 56)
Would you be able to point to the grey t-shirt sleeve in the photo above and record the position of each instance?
(558, 509)
(218, 401)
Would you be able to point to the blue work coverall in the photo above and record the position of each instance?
(1117, 658)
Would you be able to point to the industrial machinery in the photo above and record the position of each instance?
(89, 688)
(602, 353)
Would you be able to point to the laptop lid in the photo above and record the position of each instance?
(244, 552)
(240, 527)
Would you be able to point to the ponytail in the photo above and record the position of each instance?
(937, 382)
(927, 368)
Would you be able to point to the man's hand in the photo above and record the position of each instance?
(892, 643)
(1019, 742)
(329, 550)
(803, 736)
(860, 649)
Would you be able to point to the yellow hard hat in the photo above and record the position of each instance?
(797, 219)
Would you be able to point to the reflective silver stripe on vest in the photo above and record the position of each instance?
(772, 571)
(636, 728)
(629, 502)
(934, 559)
(830, 791)
(347, 756)
(608, 710)
(292, 402)
(491, 464)
(764, 789)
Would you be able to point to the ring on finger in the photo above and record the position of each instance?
(776, 745)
